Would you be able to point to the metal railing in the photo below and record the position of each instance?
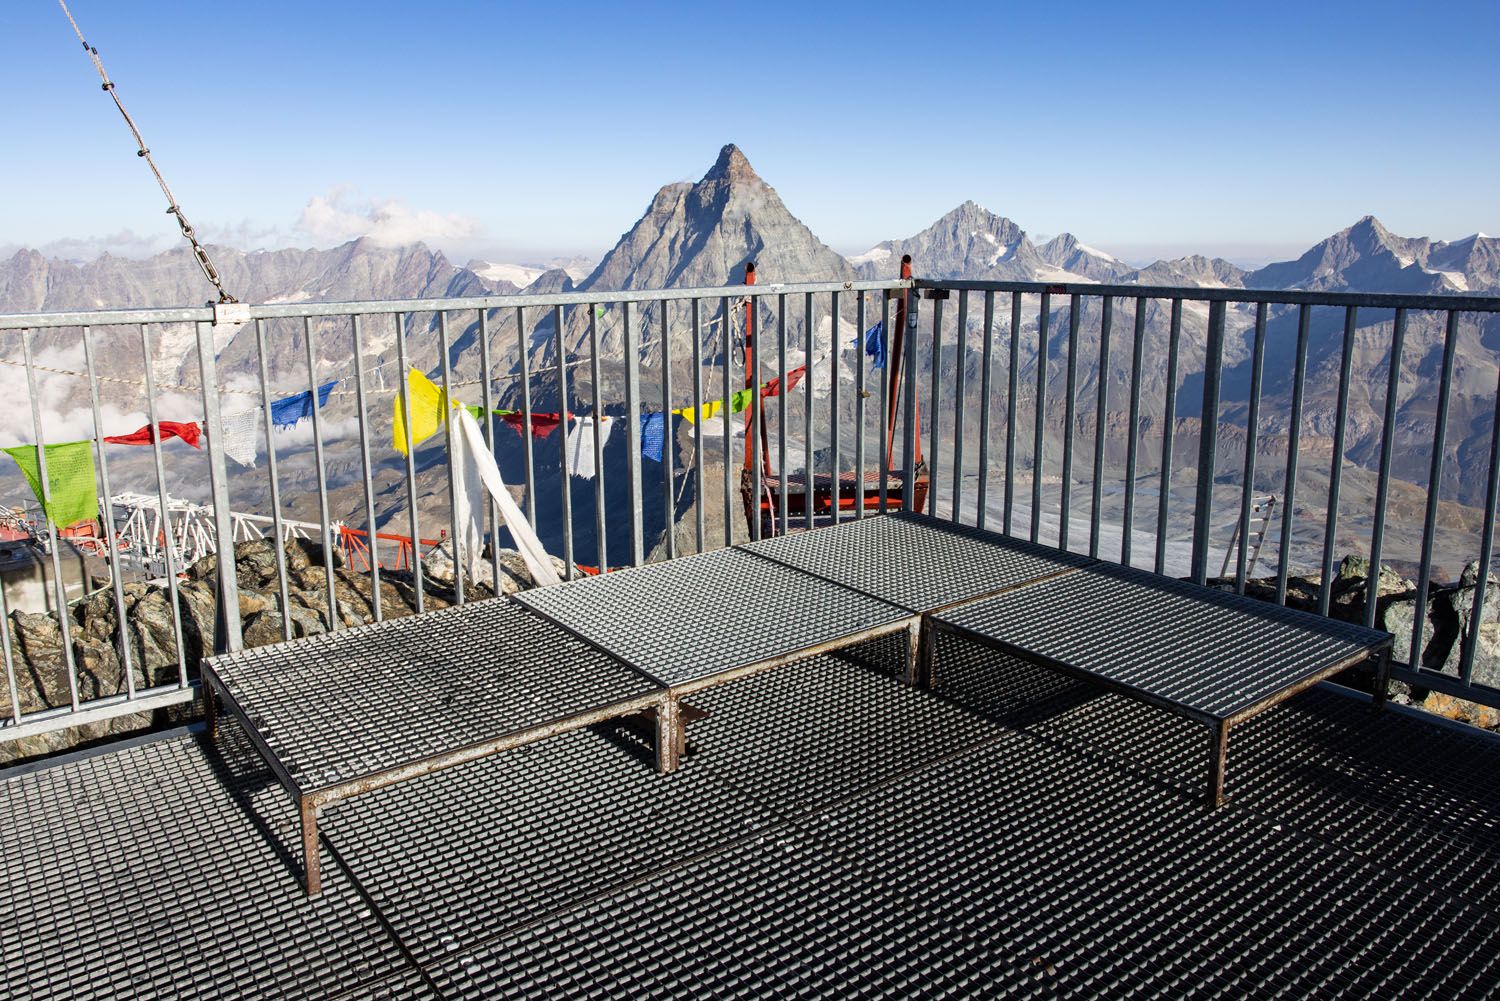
(1064, 449)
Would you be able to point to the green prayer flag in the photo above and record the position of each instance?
(70, 480)
(740, 401)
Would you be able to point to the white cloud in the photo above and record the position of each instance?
(123, 243)
(338, 216)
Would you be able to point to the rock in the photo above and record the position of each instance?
(437, 565)
(42, 677)
(198, 601)
(1462, 710)
(1399, 619)
(263, 628)
(1470, 577)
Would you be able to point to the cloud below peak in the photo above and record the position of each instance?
(339, 216)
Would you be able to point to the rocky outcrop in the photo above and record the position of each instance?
(151, 624)
(1448, 619)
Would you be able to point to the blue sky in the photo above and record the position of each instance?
(517, 132)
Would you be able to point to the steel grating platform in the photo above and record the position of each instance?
(916, 561)
(336, 707)
(1210, 654)
(689, 619)
(1004, 836)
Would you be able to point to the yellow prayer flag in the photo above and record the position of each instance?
(708, 411)
(428, 405)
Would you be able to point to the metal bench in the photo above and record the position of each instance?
(703, 620)
(1211, 656)
(344, 713)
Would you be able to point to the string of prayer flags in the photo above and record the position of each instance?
(793, 376)
(289, 410)
(653, 435)
(693, 415)
(427, 403)
(242, 435)
(71, 494)
(188, 431)
(875, 344)
(541, 424)
(581, 442)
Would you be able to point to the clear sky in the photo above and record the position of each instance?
(517, 132)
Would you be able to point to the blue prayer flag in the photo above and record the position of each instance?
(653, 435)
(875, 344)
(288, 410)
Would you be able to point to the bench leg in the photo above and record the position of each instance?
(210, 711)
(669, 735)
(1218, 746)
(918, 655)
(1382, 680)
(312, 856)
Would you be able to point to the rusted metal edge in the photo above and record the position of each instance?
(1320, 674)
(227, 703)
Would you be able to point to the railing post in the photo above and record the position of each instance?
(227, 635)
(1208, 434)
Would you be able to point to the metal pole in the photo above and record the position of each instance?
(487, 400)
(1127, 535)
(563, 477)
(366, 469)
(274, 480)
(1335, 474)
(1293, 446)
(935, 402)
(601, 539)
(1038, 445)
(1252, 426)
(1010, 403)
(859, 406)
(334, 623)
(809, 464)
(699, 527)
(1168, 428)
(1101, 422)
(1070, 417)
(985, 391)
(524, 349)
(170, 548)
(1383, 481)
(633, 436)
(109, 521)
(411, 468)
(1208, 441)
(452, 431)
(834, 349)
(1434, 487)
(669, 474)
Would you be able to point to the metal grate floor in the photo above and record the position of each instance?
(834, 834)
(915, 561)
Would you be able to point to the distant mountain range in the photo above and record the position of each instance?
(702, 234)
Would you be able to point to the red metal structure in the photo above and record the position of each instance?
(856, 489)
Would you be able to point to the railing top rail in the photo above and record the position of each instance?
(205, 314)
(1291, 297)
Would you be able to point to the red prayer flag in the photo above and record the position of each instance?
(794, 376)
(187, 431)
(541, 424)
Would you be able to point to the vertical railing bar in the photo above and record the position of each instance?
(1038, 445)
(834, 350)
(334, 623)
(755, 430)
(909, 427)
(1101, 419)
(1168, 430)
(10, 663)
(274, 478)
(564, 418)
(169, 549)
(452, 430)
(227, 612)
(959, 389)
(985, 388)
(1336, 473)
(669, 439)
(810, 465)
(116, 585)
(885, 401)
(726, 342)
(366, 470)
(699, 523)
(411, 466)
(488, 402)
(1383, 481)
(1434, 488)
(935, 407)
(526, 443)
(1486, 553)
(859, 406)
(54, 543)
(601, 538)
(1070, 416)
(633, 435)
(1010, 404)
(1208, 440)
(1132, 428)
(783, 503)
(1252, 435)
(1293, 446)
